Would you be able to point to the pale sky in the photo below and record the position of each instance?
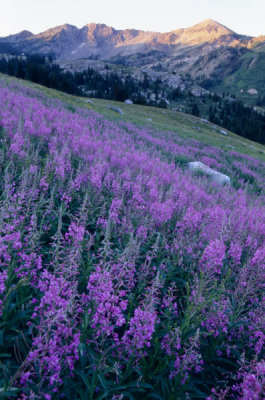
(242, 16)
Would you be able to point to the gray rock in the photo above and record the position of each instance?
(217, 177)
(198, 92)
(223, 132)
(89, 101)
(116, 109)
(230, 99)
(175, 81)
(128, 101)
(253, 91)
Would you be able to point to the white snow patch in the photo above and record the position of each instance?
(78, 48)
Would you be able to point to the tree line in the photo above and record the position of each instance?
(238, 118)
(111, 86)
(233, 115)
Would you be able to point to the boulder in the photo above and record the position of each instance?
(217, 177)
(89, 101)
(116, 109)
(230, 99)
(223, 132)
(253, 91)
(128, 101)
(196, 92)
(199, 92)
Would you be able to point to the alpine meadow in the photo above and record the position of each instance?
(132, 233)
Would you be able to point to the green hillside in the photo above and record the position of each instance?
(187, 126)
(125, 272)
(248, 75)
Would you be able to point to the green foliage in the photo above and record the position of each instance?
(15, 335)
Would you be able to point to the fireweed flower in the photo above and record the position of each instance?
(235, 252)
(259, 258)
(140, 332)
(169, 304)
(162, 212)
(185, 356)
(18, 145)
(115, 209)
(3, 277)
(43, 184)
(29, 265)
(217, 317)
(253, 384)
(75, 233)
(56, 345)
(192, 220)
(213, 256)
(109, 304)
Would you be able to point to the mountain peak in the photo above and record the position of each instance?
(95, 31)
(206, 31)
(211, 25)
(65, 29)
(96, 25)
(209, 21)
(93, 26)
(21, 35)
(25, 33)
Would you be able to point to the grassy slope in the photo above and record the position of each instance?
(249, 75)
(187, 126)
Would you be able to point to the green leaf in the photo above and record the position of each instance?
(154, 396)
(1, 337)
(103, 382)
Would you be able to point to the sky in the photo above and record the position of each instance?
(242, 16)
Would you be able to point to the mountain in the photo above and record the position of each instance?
(18, 37)
(67, 41)
(209, 52)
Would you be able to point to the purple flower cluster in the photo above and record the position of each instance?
(3, 277)
(213, 256)
(140, 332)
(109, 304)
(253, 382)
(75, 233)
(54, 348)
(217, 317)
(186, 358)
